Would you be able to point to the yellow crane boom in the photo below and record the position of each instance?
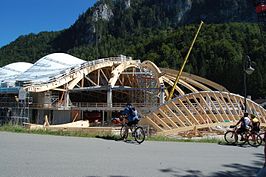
(183, 65)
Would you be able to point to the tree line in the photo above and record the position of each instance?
(218, 53)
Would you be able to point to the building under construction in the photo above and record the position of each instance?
(64, 89)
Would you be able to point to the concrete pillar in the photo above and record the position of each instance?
(109, 96)
(103, 118)
(109, 103)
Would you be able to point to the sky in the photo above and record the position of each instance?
(21, 17)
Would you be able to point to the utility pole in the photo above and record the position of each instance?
(247, 69)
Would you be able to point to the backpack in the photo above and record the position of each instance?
(134, 113)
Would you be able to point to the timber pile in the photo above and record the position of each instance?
(46, 125)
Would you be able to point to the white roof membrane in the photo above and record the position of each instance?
(49, 66)
(11, 70)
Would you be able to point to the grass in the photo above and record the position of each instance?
(103, 135)
(171, 139)
(21, 129)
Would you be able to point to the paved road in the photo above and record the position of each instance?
(27, 155)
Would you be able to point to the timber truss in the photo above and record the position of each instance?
(197, 102)
(199, 110)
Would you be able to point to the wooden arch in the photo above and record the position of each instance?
(201, 104)
(202, 110)
(119, 69)
(69, 79)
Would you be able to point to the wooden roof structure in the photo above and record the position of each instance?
(197, 102)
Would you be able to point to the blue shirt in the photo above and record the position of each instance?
(131, 117)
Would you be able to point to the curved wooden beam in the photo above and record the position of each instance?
(202, 80)
(203, 109)
(151, 66)
(119, 69)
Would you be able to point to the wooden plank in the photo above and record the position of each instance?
(195, 83)
(188, 128)
(183, 116)
(196, 78)
(190, 115)
(230, 102)
(224, 115)
(155, 125)
(167, 118)
(197, 113)
(161, 121)
(202, 110)
(178, 89)
(237, 103)
(207, 106)
(174, 115)
(213, 106)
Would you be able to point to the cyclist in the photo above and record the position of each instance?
(245, 124)
(132, 115)
(255, 124)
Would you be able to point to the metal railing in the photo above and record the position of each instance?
(90, 106)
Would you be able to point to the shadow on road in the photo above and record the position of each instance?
(236, 145)
(132, 142)
(117, 138)
(109, 176)
(109, 137)
(233, 170)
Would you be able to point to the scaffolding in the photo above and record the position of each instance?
(13, 110)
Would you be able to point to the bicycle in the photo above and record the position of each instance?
(262, 135)
(232, 137)
(137, 132)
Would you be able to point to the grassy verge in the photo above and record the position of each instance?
(171, 139)
(21, 129)
(103, 135)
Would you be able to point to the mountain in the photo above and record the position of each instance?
(161, 31)
(126, 17)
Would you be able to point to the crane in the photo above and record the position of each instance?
(184, 63)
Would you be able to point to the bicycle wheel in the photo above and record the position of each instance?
(124, 132)
(139, 134)
(262, 136)
(230, 137)
(241, 139)
(254, 140)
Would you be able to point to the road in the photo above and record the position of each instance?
(28, 155)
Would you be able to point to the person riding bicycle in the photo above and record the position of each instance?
(255, 124)
(132, 114)
(245, 124)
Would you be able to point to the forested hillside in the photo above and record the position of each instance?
(161, 31)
